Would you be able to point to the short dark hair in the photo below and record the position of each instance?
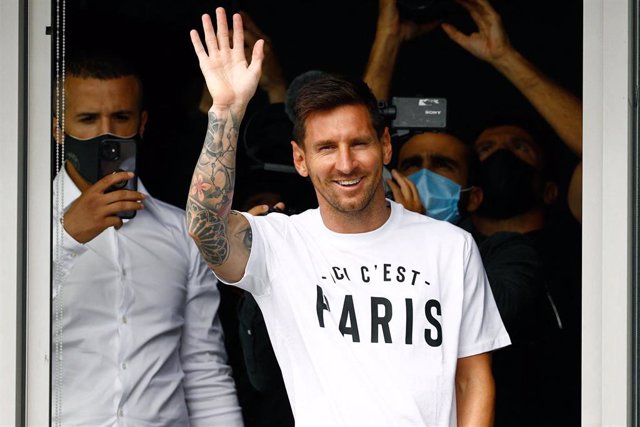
(101, 66)
(331, 91)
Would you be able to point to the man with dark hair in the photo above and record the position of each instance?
(378, 316)
(140, 340)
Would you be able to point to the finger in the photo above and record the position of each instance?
(123, 195)
(413, 190)
(401, 180)
(484, 7)
(113, 221)
(197, 45)
(114, 208)
(474, 10)
(110, 180)
(279, 205)
(223, 29)
(454, 34)
(427, 27)
(209, 34)
(258, 210)
(397, 193)
(238, 38)
(257, 57)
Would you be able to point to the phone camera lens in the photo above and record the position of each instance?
(110, 150)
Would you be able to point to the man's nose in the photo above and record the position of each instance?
(345, 162)
(105, 126)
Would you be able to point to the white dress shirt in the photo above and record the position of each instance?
(142, 342)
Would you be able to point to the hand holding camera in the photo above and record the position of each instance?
(491, 42)
(98, 207)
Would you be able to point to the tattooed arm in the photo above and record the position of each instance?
(223, 236)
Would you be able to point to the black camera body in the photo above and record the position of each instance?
(415, 113)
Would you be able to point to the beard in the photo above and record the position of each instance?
(339, 199)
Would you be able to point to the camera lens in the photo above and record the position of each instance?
(110, 150)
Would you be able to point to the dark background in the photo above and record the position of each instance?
(330, 35)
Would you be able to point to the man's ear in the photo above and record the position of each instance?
(143, 122)
(475, 199)
(550, 194)
(387, 149)
(298, 159)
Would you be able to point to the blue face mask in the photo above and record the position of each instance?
(439, 195)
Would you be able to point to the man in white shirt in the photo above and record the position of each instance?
(141, 341)
(378, 316)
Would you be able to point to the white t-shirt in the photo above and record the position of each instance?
(368, 327)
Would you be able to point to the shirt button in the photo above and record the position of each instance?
(248, 331)
(124, 366)
(124, 319)
(120, 412)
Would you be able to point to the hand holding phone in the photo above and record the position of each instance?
(98, 207)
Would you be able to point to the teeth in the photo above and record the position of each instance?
(349, 182)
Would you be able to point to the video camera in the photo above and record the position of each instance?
(408, 114)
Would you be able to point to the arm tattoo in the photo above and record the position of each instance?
(211, 191)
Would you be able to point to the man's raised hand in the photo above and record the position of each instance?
(490, 43)
(230, 80)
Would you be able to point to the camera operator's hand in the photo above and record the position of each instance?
(390, 24)
(264, 209)
(272, 80)
(405, 192)
(391, 32)
(491, 42)
(96, 209)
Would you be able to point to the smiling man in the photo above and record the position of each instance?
(378, 316)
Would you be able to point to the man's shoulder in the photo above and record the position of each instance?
(433, 226)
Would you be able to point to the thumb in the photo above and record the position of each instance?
(454, 34)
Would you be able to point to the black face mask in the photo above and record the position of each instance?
(85, 154)
(511, 186)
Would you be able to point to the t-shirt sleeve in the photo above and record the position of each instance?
(256, 273)
(481, 329)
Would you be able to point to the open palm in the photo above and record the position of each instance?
(230, 80)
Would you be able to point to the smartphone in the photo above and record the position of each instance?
(119, 155)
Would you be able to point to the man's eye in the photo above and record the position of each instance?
(87, 119)
(123, 118)
(521, 145)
